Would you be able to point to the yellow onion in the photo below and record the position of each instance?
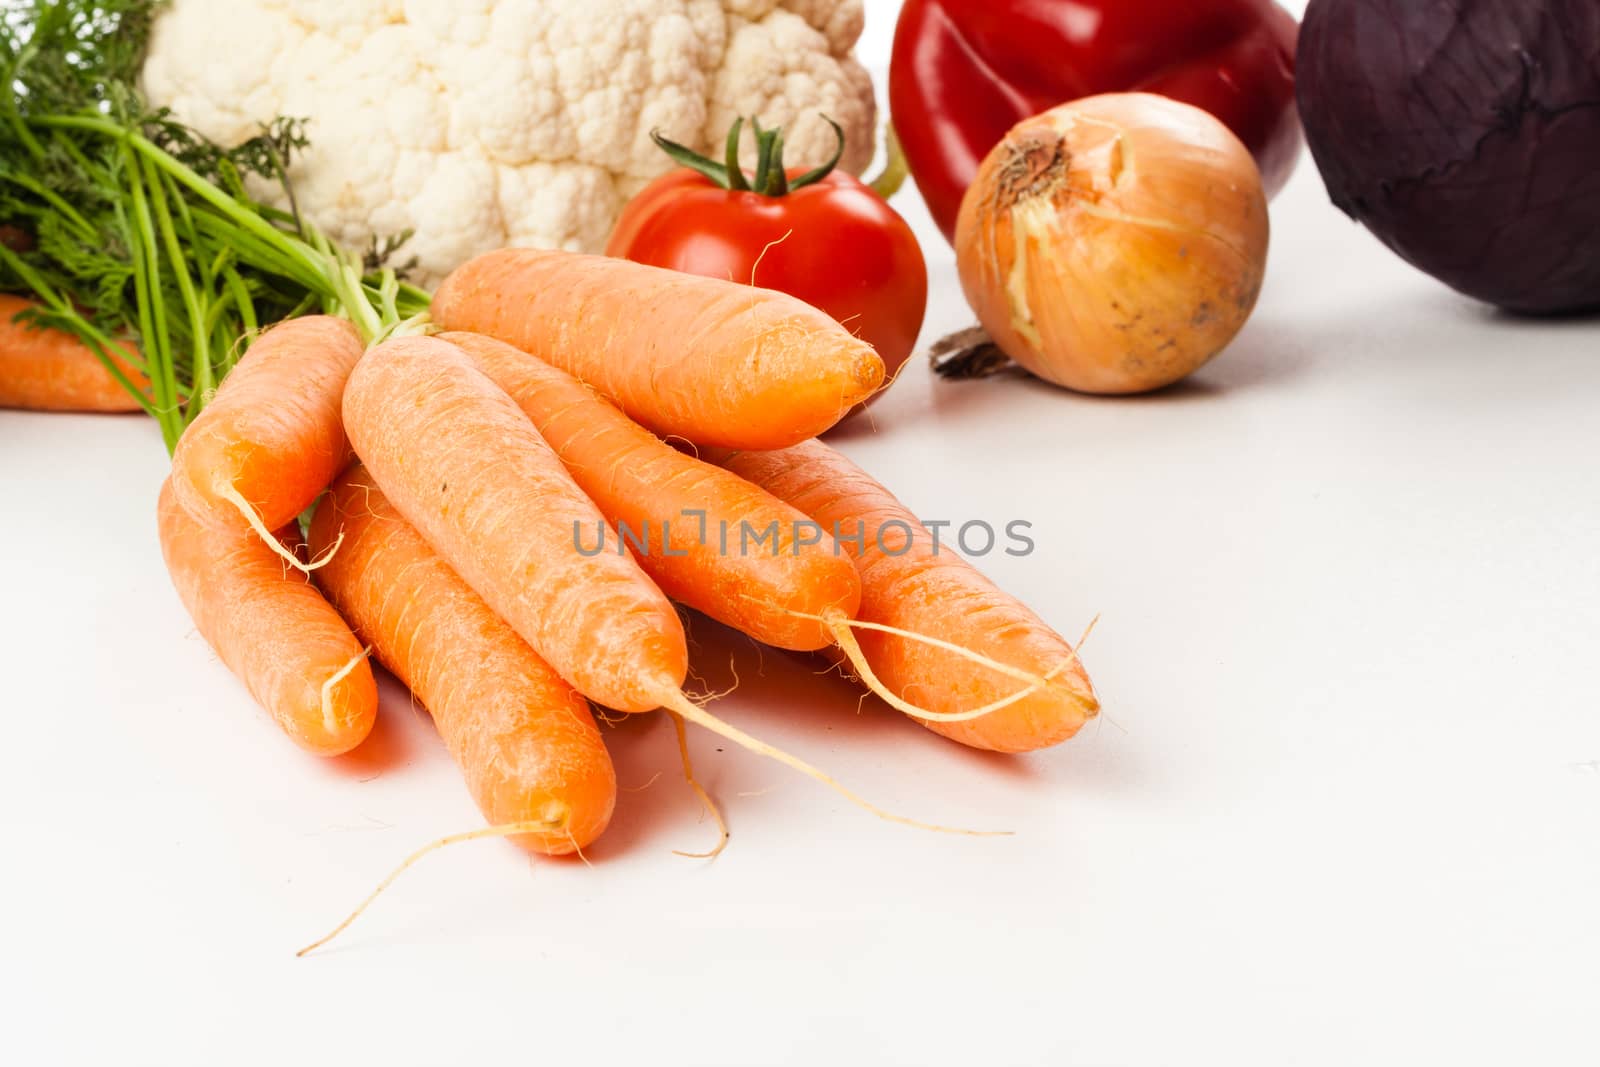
(1116, 243)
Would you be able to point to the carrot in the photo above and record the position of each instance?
(271, 440)
(43, 369)
(525, 740)
(711, 361)
(463, 464)
(788, 590)
(927, 614)
(695, 521)
(273, 630)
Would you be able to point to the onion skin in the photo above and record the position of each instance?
(1465, 134)
(1115, 244)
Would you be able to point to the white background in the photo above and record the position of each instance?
(1343, 806)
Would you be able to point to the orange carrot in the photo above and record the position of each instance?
(707, 360)
(525, 740)
(42, 369)
(273, 630)
(271, 439)
(931, 592)
(463, 464)
(793, 588)
(696, 523)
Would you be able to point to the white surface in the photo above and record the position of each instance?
(1343, 807)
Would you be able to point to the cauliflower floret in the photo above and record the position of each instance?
(483, 123)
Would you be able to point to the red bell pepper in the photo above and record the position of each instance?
(965, 71)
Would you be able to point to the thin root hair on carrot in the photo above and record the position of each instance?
(535, 826)
(837, 622)
(858, 660)
(234, 497)
(329, 720)
(1087, 630)
(841, 628)
(611, 721)
(675, 701)
(577, 849)
(699, 791)
(706, 694)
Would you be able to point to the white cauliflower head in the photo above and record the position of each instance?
(483, 123)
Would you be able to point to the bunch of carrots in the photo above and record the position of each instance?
(406, 478)
(447, 470)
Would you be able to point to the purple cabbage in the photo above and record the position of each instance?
(1465, 134)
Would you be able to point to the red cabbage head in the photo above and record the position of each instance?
(1465, 134)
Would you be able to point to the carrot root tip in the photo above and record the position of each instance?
(675, 701)
(699, 790)
(554, 823)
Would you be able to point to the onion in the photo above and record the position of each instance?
(1114, 244)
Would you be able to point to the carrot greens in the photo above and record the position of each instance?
(122, 222)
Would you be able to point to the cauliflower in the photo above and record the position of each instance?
(483, 123)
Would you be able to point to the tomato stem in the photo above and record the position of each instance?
(732, 171)
(811, 177)
(771, 179)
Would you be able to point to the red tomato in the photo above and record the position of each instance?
(835, 244)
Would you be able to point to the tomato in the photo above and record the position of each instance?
(828, 240)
